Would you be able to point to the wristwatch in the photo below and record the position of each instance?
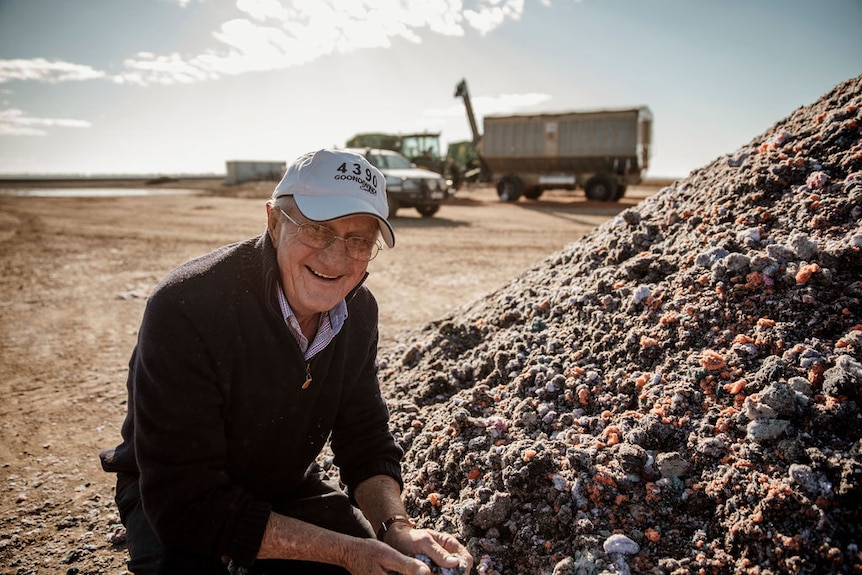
(384, 527)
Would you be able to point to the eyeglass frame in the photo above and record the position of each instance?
(375, 245)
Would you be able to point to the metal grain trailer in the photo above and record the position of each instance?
(601, 151)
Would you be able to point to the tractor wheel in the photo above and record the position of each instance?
(509, 188)
(533, 193)
(601, 188)
(428, 211)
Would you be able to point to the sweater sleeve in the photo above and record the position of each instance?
(361, 440)
(180, 401)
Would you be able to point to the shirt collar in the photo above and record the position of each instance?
(331, 323)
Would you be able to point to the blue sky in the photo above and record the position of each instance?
(181, 86)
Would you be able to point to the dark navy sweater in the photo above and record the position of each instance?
(218, 424)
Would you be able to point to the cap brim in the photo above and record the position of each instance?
(326, 208)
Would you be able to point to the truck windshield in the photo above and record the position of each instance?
(421, 146)
(390, 161)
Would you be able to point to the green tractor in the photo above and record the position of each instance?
(463, 155)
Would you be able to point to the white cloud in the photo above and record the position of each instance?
(508, 103)
(279, 34)
(262, 10)
(490, 14)
(489, 106)
(42, 70)
(172, 69)
(13, 122)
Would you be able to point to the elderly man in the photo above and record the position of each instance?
(249, 359)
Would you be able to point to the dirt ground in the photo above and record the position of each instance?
(74, 275)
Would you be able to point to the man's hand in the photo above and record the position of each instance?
(289, 538)
(379, 497)
(441, 548)
(372, 557)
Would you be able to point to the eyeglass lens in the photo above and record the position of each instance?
(321, 237)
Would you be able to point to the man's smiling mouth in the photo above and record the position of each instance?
(322, 276)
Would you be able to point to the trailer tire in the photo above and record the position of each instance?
(510, 188)
(427, 211)
(533, 193)
(601, 188)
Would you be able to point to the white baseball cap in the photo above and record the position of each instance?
(331, 184)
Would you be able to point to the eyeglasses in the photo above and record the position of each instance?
(320, 237)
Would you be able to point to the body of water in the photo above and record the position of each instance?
(94, 192)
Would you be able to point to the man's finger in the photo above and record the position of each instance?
(411, 566)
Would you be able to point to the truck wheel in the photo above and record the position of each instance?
(393, 206)
(427, 211)
(621, 191)
(533, 193)
(509, 188)
(601, 188)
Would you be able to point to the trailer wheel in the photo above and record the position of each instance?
(428, 211)
(601, 188)
(509, 188)
(533, 193)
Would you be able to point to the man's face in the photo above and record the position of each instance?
(315, 280)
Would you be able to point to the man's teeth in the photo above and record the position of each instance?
(318, 274)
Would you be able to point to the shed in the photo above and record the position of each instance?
(239, 171)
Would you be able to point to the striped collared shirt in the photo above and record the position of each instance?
(330, 324)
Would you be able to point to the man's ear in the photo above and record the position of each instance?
(272, 222)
